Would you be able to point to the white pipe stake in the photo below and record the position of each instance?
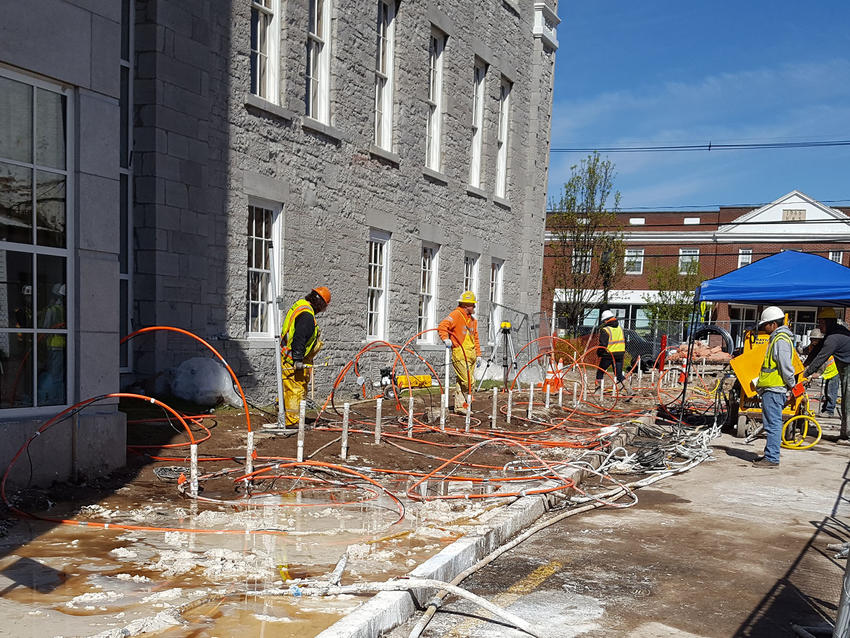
(530, 399)
(444, 411)
(302, 415)
(193, 470)
(602, 388)
(584, 391)
(510, 406)
(561, 396)
(640, 372)
(575, 393)
(344, 451)
(378, 404)
(249, 454)
(410, 415)
(468, 412)
(495, 408)
(547, 397)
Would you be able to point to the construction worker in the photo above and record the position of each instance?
(299, 343)
(775, 379)
(612, 348)
(459, 331)
(829, 387)
(836, 344)
(52, 378)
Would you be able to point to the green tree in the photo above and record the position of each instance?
(674, 292)
(586, 245)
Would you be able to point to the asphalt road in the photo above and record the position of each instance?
(723, 550)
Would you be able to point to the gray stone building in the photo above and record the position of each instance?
(394, 151)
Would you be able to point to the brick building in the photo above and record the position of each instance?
(719, 241)
(395, 151)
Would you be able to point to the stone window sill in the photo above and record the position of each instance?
(501, 201)
(384, 154)
(435, 176)
(325, 129)
(474, 191)
(255, 102)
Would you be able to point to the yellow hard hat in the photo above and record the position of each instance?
(827, 313)
(467, 297)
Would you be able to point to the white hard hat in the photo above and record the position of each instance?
(58, 289)
(607, 315)
(816, 334)
(771, 313)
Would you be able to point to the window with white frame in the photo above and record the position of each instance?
(837, 256)
(581, 260)
(433, 136)
(470, 272)
(496, 267)
(688, 260)
(318, 97)
(633, 261)
(428, 290)
(745, 257)
(125, 186)
(263, 271)
(378, 284)
(384, 59)
(502, 137)
(479, 83)
(264, 48)
(35, 195)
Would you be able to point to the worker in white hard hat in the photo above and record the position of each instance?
(829, 387)
(774, 381)
(836, 344)
(300, 341)
(459, 331)
(612, 349)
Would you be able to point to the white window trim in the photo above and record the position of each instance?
(745, 257)
(275, 277)
(471, 283)
(692, 254)
(431, 312)
(271, 88)
(386, 239)
(836, 253)
(496, 295)
(320, 108)
(503, 137)
(434, 132)
(384, 82)
(68, 253)
(479, 85)
(581, 261)
(636, 257)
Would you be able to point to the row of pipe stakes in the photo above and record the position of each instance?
(510, 406)
(344, 438)
(495, 410)
(468, 419)
(410, 414)
(193, 470)
(378, 403)
(302, 416)
(530, 399)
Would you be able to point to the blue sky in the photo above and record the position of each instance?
(686, 72)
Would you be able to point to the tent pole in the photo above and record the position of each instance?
(691, 330)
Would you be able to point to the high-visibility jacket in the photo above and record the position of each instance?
(770, 377)
(55, 318)
(616, 339)
(457, 326)
(831, 369)
(287, 331)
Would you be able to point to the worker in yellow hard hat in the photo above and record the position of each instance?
(459, 331)
(836, 345)
(299, 342)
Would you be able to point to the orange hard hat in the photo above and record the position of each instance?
(323, 292)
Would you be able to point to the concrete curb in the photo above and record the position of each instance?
(387, 610)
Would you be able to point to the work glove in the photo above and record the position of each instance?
(448, 342)
(299, 365)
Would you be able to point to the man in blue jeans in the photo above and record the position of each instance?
(774, 380)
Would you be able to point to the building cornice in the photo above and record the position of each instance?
(545, 24)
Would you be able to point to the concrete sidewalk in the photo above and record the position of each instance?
(724, 550)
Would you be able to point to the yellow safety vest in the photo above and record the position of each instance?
(769, 376)
(831, 369)
(55, 318)
(616, 339)
(287, 331)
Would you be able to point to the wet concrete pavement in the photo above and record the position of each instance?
(724, 550)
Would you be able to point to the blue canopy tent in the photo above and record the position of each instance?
(787, 277)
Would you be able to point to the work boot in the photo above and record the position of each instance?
(764, 463)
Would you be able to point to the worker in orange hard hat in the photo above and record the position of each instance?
(459, 331)
(299, 342)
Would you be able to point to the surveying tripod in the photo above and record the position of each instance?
(508, 354)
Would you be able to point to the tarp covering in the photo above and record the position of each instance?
(787, 277)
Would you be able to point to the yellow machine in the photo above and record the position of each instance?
(413, 381)
(796, 413)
